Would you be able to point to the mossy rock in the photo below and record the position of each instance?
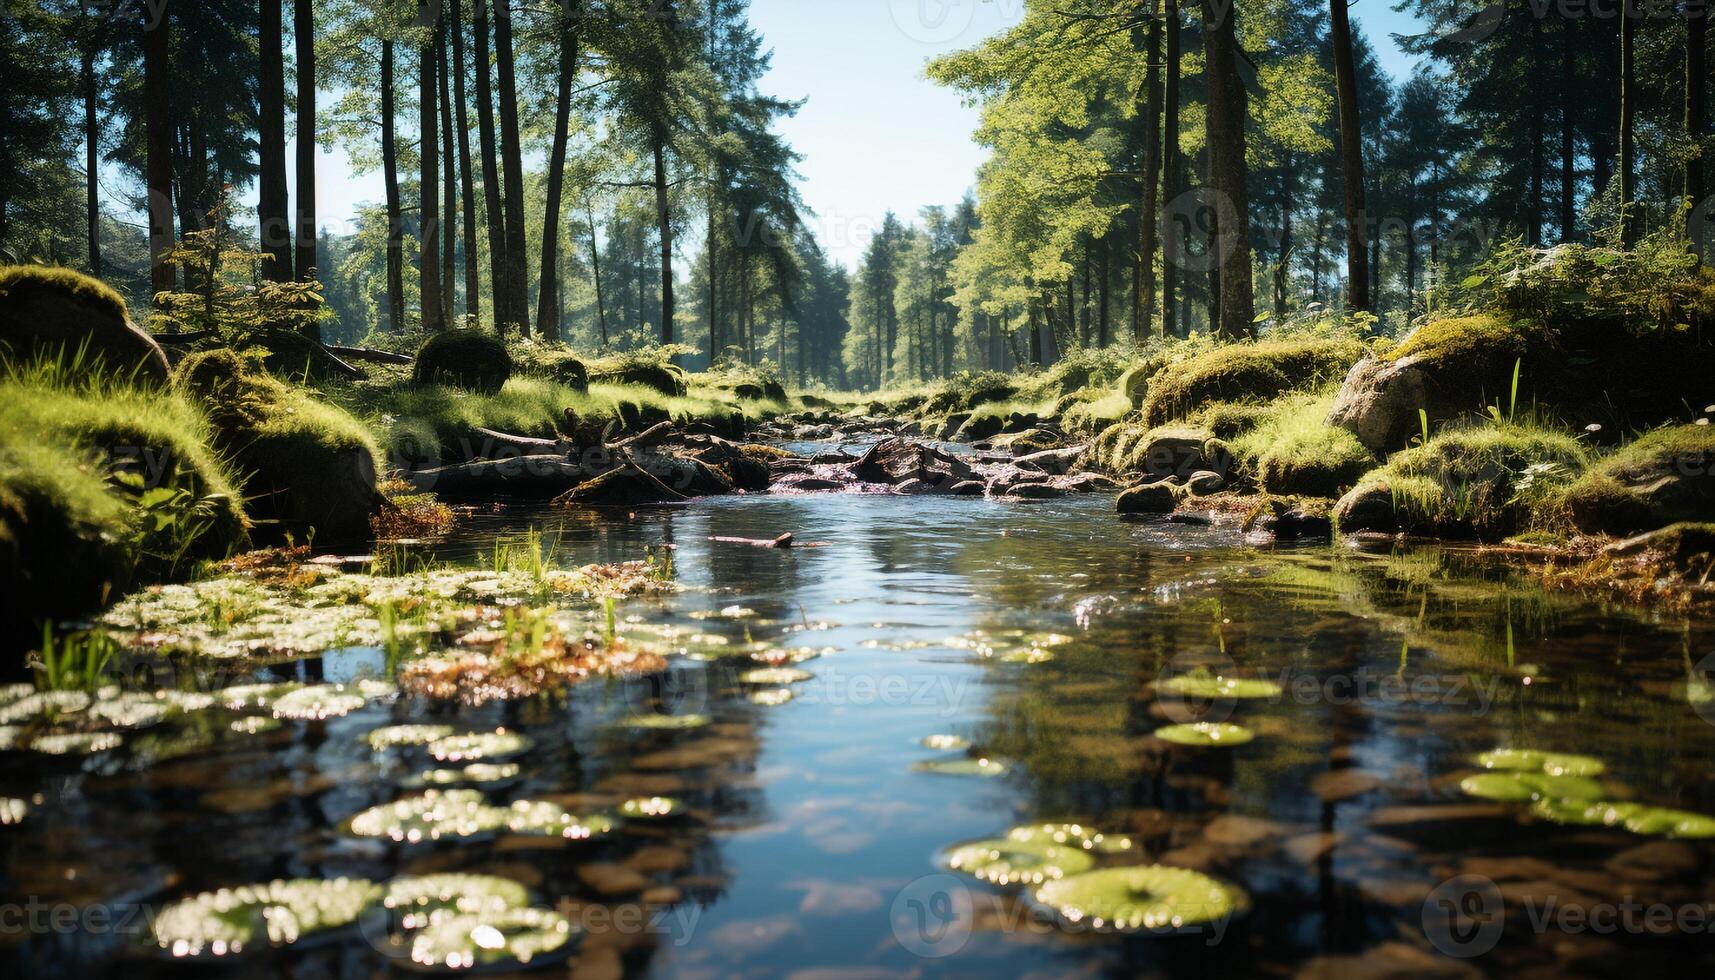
(1245, 372)
(983, 425)
(663, 378)
(568, 370)
(1320, 463)
(55, 313)
(1666, 477)
(468, 359)
(1134, 383)
(305, 463)
(296, 357)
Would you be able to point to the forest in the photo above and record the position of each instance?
(1242, 503)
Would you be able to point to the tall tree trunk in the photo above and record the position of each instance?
(595, 272)
(1172, 168)
(1283, 267)
(512, 165)
(1696, 108)
(1538, 136)
(449, 192)
(304, 37)
(1149, 219)
(91, 152)
(276, 228)
(467, 182)
(491, 177)
(1105, 285)
(158, 136)
(664, 220)
(1629, 218)
(428, 191)
(548, 315)
(395, 207)
(1226, 134)
(1568, 147)
(1351, 161)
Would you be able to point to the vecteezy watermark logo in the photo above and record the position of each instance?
(1464, 916)
(1192, 216)
(1700, 689)
(1481, 27)
(1186, 706)
(933, 21)
(932, 916)
(679, 690)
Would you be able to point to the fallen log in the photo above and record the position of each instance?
(648, 437)
(370, 354)
(523, 477)
(781, 543)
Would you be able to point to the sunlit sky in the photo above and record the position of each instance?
(875, 134)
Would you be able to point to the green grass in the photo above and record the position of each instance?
(1244, 372)
(1626, 491)
(1494, 479)
(1292, 451)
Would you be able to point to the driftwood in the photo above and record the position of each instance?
(781, 543)
(370, 354)
(648, 437)
(481, 444)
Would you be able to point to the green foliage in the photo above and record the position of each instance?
(471, 359)
(1255, 371)
(1292, 451)
(22, 283)
(1492, 479)
(76, 661)
(1657, 286)
(1663, 477)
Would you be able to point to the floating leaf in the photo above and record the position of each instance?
(549, 820)
(945, 743)
(775, 676)
(666, 723)
(1206, 734)
(431, 816)
(963, 767)
(514, 935)
(1635, 817)
(651, 808)
(469, 748)
(255, 725)
(1072, 835)
(81, 743)
(417, 897)
(398, 736)
(1549, 763)
(1152, 898)
(225, 922)
(477, 773)
(43, 703)
(772, 698)
(254, 695)
(317, 703)
(1007, 861)
(1522, 787)
(1216, 687)
(130, 710)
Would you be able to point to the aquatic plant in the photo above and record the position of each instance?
(665, 723)
(513, 935)
(129, 710)
(255, 725)
(499, 744)
(397, 736)
(772, 697)
(77, 743)
(543, 819)
(962, 767)
(243, 696)
(317, 703)
(1636, 817)
(477, 773)
(946, 743)
(1202, 684)
(226, 922)
(1152, 898)
(1206, 734)
(1072, 835)
(1550, 763)
(1006, 861)
(651, 808)
(775, 676)
(429, 817)
(74, 662)
(1522, 787)
(44, 704)
(421, 897)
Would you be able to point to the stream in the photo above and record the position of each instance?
(819, 827)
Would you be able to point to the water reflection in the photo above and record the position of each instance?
(810, 832)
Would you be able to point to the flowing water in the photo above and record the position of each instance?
(815, 842)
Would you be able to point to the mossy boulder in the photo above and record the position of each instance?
(1163, 452)
(1246, 372)
(1323, 462)
(1666, 477)
(306, 464)
(570, 371)
(663, 378)
(1160, 497)
(47, 313)
(468, 359)
(1486, 480)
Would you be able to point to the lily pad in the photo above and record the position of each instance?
(492, 939)
(487, 745)
(772, 698)
(1206, 734)
(775, 676)
(963, 767)
(1636, 817)
(43, 703)
(1072, 835)
(1215, 687)
(1005, 861)
(1548, 763)
(475, 774)
(1152, 898)
(79, 743)
(130, 710)
(317, 703)
(945, 743)
(398, 736)
(432, 816)
(418, 897)
(1523, 787)
(651, 808)
(666, 723)
(544, 819)
(244, 696)
(226, 922)
(255, 725)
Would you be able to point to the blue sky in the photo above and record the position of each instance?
(875, 134)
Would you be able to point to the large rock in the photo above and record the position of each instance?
(56, 312)
(1160, 497)
(1368, 507)
(1666, 477)
(664, 378)
(474, 360)
(893, 461)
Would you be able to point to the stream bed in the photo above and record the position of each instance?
(816, 830)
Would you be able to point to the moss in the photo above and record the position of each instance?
(1089, 418)
(1664, 477)
(1466, 343)
(1289, 450)
(469, 359)
(657, 376)
(1489, 479)
(1246, 372)
(22, 283)
(62, 314)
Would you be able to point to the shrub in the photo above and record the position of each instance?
(470, 359)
